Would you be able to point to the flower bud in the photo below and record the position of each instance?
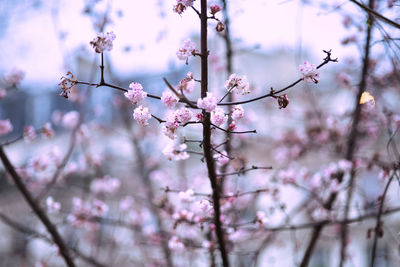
(220, 27)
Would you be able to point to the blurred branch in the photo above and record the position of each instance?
(28, 231)
(37, 209)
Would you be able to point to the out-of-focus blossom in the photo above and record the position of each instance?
(103, 42)
(309, 72)
(240, 83)
(175, 151)
(221, 158)
(186, 50)
(47, 130)
(186, 196)
(3, 93)
(29, 133)
(176, 244)
(169, 99)
(136, 93)
(142, 115)
(209, 103)
(261, 218)
(5, 127)
(105, 185)
(14, 76)
(70, 120)
(52, 206)
(126, 203)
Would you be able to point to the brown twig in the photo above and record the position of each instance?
(37, 209)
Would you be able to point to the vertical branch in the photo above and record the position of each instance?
(378, 226)
(229, 68)
(37, 209)
(207, 137)
(102, 70)
(351, 144)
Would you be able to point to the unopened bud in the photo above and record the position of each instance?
(220, 27)
(283, 101)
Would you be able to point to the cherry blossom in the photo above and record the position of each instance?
(187, 84)
(70, 120)
(52, 206)
(47, 130)
(175, 151)
(214, 9)
(136, 93)
(221, 158)
(176, 244)
(309, 72)
(170, 126)
(103, 42)
(3, 93)
(240, 83)
(186, 50)
(218, 116)
(5, 127)
(237, 112)
(186, 196)
(29, 133)
(105, 185)
(181, 5)
(183, 115)
(142, 115)
(14, 76)
(261, 218)
(169, 99)
(209, 103)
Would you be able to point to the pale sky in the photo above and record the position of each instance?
(30, 40)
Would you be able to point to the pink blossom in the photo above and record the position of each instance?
(218, 116)
(3, 93)
(126, 203)
(5, 127)
(186, 196)
(105, 185)
(183, 115)
(345, 165)
(187, 50)
(99, 208)
(170, 126)
(103, 42)
(309, 72)
(181, 5)
(261, 218)
(70, 120)
(14, 76)
(187, 84)
(142, 115)
(136, 93)
(169, 99)
(52, 206)
(221, 158)
(29, 133)
(176, 244)
(214, 9)
(209, 103)
(240, 83)
(175, 151)
(237, 112)
(47, 130)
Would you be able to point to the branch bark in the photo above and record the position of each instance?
(37, 209)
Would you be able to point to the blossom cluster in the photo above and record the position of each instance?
(181, 5)
(310, 72)
(103, 42)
